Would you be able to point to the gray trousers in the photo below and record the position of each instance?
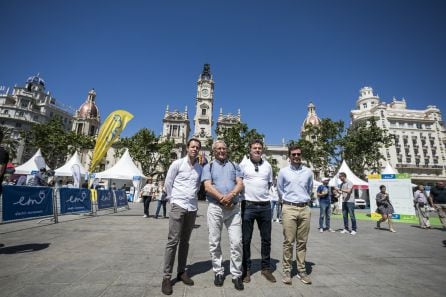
(181, 224)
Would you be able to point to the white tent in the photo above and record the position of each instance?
(389, 169)
(357, 182)
(31, 165)
(125, 169)
(66, 170)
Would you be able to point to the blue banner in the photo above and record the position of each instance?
(121, 198)
(74, 200)
(105, 199)
(21, 202)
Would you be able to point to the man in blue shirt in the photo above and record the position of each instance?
(295, 183)
(324, 195)
(223, 183)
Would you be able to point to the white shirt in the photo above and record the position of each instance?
(182, 183)
(256, 182)
(273, 193)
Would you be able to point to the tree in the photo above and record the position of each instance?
(322, 145)
(237, 139)
(145, 148)
(10, 144)
(55, 142)
(362, 146)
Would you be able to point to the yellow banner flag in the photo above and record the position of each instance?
(109, 132)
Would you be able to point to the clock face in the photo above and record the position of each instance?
(205, 92)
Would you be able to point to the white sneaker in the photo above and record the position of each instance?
(321, 230)
(145, 216)
(344, 231)
(353, 232)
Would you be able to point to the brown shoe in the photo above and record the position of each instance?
(247, 276)
(286, 279)
(185, 279)
(166, 286)
(268, 275)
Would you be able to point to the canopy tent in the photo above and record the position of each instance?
(66, 170)
(125, 169)
(357, 182)
(389, 169)
(32, 165)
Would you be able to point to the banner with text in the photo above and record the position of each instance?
(21, 202)
(121, 198)
(105, 199)
(399, 188)
(74, 200)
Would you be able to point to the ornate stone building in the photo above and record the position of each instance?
(27, 105)
(420, 135)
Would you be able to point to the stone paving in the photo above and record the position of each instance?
(121, 254)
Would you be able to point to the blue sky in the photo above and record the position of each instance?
(268, 58)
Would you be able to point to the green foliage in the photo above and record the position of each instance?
(55, 142)
(10, 144)
(362, 146)
(322, 145)
(237, 139)
(145, 148)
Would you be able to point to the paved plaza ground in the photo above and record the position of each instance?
(121, 254)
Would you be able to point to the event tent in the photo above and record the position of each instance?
(32, 165)
(125, 169)
(66, 170)
(357, 182)
(389, 169)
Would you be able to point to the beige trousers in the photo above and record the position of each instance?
(296, 226)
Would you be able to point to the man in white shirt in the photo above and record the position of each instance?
(256, 206)
(182, 184)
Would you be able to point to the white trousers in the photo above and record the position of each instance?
(217, 217)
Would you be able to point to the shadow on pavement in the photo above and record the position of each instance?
(24, 248)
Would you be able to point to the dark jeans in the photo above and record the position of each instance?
(348, 208)
(146, 201)
(261, 214)
(325, 211)
(181, 224)
(158, 207)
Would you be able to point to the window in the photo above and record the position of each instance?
(364, 105)
(203, 111)
(18, 125)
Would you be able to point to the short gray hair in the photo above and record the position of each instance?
(214, 145)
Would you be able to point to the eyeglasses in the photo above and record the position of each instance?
(296, 154)
(256, 167)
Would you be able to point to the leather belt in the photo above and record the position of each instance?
(258, 203)
(299, 204)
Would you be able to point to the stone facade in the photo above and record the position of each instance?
(420, 135)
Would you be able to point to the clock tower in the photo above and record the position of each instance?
(204, 106)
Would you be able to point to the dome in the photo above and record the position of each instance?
(311, 119)
(89, 108)
(36, 79)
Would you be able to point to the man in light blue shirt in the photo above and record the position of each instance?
(294, 184)
(223, 184)
(181, 185)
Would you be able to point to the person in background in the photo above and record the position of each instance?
(162, 200)
(324, 195)
(146, 194)
(4, 159)
(420, 203)
(437, 199)
(348, 203)
(275, 204)
(385, 208)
